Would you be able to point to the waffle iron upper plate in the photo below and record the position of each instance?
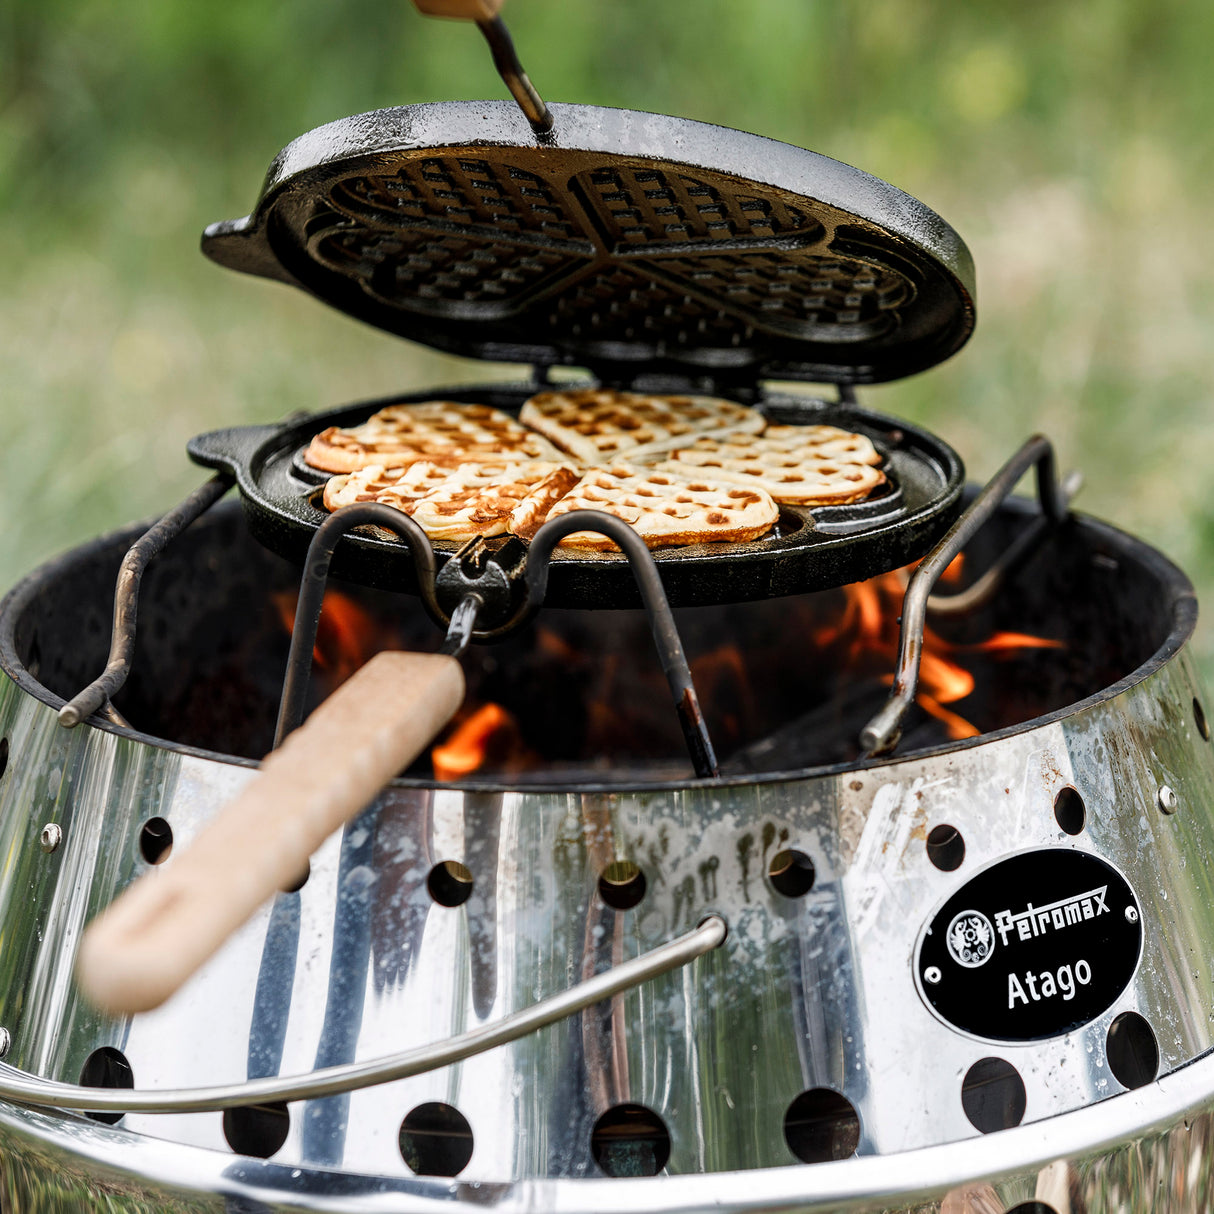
(627, 242)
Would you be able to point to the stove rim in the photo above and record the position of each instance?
(1179, 592)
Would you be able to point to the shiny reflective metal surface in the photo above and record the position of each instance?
(807, 992)
(1147, 1151)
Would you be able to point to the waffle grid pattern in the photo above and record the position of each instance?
(618, 254)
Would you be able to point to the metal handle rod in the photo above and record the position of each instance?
(506, 60)
(312, 594)
(22, 1088)
(126, 598)
(882, 732)
(665, 635)
(987, 586)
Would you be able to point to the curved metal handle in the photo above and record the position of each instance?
(22, 1088)
(150, 545)
(312, 594)
(881, 734)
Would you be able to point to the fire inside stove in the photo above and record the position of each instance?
(857, 627)
(579, 696)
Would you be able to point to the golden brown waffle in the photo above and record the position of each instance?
(809, 442)
(597, 425)
(458, 504)
(399, 487)
(440, 431)
(668, 510)
(794, 479)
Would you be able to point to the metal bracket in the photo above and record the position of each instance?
(882, 733)
(96, 696)
(478, 583)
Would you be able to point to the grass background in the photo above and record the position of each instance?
(1069, 144)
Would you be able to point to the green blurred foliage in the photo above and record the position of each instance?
(1069, 144)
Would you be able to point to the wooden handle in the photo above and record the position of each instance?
(143, 947)
(462, 10)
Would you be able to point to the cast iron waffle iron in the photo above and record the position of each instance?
(657, 252)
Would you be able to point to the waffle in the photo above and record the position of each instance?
(790, 478)
(668, 510)
(440, 431)
(399, 487)
(458, 504)
(597, 425)
(814, 442)
(798, 465)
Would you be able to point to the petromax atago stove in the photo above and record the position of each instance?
(880, 915)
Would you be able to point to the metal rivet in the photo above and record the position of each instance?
(1131, 914)
(1166, 799)
(51, 836)
(932, 974)
(5, 1041)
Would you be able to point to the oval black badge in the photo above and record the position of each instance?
(1032, 947)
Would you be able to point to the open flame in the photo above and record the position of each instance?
(611, 698)
(489, 735)
(869, 624)
(347, 637)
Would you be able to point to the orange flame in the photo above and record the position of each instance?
(347, 636)
(1003, 642)
(490, 733)
(870, 619)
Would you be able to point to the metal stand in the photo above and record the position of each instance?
(882, 733)
(96, 696)
(481, 585)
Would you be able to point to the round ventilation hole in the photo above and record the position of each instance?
(107, 1068)
(992, 1095)
(1199, 718)
(1069, 811)
(630, 1140)
(4, 753)
(450, 884)
(792, 873)
(821, 1125)
(258, 1130)
(945, 848)
(1132, 1051)
(1033, 1207)
(155, 840)
(622, 885)
(436, 1140)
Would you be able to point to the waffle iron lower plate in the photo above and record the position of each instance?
(808, 550)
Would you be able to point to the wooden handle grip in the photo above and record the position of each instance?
(462, 10)
(143, 947)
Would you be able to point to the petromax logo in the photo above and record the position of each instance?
(970, 939)
(1066, 912)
